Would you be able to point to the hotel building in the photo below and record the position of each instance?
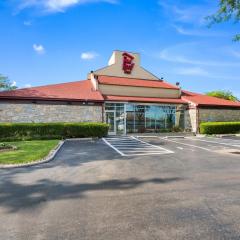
(123, 94)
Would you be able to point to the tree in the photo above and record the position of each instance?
(228, 10)
(228, 95)
(6, 84)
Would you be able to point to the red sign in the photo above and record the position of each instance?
(127, 63)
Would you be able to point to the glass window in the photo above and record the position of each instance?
(146, 118)
(151, 112)
(109, 106)
(119, 120)
(139, 118)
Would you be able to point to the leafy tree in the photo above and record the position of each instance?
(228, 95)
(6, 84)
(228, 10)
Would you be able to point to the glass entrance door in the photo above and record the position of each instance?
(111, 120)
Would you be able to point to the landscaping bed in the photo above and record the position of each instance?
(4, 147)
(44, 131)
(22, 152)
(219, 127)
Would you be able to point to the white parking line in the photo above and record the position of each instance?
(186, 144)
(223, 139)
(110, 145)
(153, 145)
(144, 154)
(131, 146)
(180, 148)
(215, 142)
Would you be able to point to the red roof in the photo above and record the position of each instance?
(204, 100)
(144, 99)
(134, 82)
(75, 91)
(83, 91)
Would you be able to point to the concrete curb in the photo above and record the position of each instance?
(172, 136)
(218, 135)
(48, 158)
(80, 139)
(162, 134)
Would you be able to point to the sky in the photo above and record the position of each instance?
(52, 41)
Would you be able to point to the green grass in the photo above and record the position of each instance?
(27, 151)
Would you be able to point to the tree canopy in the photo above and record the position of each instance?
(228, 95)
(228, 10)
(6, 84)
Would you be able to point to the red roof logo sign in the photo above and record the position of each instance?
(127, 63)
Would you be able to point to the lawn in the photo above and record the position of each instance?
(27, 151)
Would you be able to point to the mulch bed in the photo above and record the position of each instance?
(7, 147)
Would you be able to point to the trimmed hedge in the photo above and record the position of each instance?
(219, 127)
(34, 131)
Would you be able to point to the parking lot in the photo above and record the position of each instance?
(132, 146)
(127, 188)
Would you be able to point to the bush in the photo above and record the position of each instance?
(219, 127)
(176, 129)
(34, 131)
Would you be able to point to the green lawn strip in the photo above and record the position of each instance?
(27, 151)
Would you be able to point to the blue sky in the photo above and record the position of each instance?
(52, 41)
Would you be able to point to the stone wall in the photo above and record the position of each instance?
(190, 120)
(219, 115)
(209, 115)
(38, 112)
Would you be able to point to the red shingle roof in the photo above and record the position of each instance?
(75, 91)
(134, 82)
(204, 100)
(144, 99)
(83, 91)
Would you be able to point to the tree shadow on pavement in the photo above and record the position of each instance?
(20, 197)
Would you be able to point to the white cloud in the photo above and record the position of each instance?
(193, 14)
(57, 5)
(237, 94)
(27, 23)
(199, 72)
(89, 55)
(39, 49)
(192, 71)
(197, 32)
(235, 53)
(14, 84)
(169, 55)
(27, 85)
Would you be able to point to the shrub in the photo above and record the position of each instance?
(5, 146)
(34, 131)
(176, 129)
(219, 127)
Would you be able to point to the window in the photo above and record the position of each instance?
(146, 118)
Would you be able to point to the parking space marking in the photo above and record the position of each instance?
(215, 142)
(131, 146)
(180, 148)
(224, 139)
(110, 145)
(186, 144)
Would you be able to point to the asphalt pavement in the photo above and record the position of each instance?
(189, 189)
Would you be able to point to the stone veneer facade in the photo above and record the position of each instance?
(209, 115)
(15, 111)
(191, 120)
(217, 115)
(49, 112)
